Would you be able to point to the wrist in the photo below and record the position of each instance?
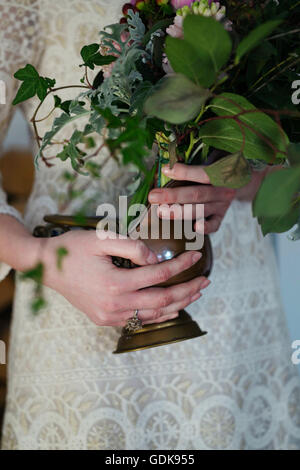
(18, 248)
(28, 252)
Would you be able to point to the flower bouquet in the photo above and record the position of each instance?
(194, 82)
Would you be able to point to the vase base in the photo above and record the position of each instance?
(159, 334)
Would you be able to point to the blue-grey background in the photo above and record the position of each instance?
(288, 252)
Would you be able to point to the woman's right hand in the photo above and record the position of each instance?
(109, 295)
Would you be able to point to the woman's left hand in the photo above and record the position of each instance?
(216, 200)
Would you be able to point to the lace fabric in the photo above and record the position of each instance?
(235, 388)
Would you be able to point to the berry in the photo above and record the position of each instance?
(128, 7)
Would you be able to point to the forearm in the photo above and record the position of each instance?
(18, 248)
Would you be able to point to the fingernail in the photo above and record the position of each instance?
(196, 297)
(152, 258)
(154, 197)
(196, 257)
(205, 283)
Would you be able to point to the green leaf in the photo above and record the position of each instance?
(59, 123)
(141, 194)
(255, 38)
(41, 88)
(294, 154)
(93, 169)
(87, 52)
(225, 134)
(28, 72)
(131, 143)
(71, 151)
(207, 47)
(91, 56)
(32, 84)
(177, 100)
(27, 90)
(230, 104)
(232, 171)
(209, 38)
(184, 59)
(276, 193)
(98, 80)
(112, 121)
(281, 223)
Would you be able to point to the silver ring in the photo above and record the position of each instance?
(134, 323)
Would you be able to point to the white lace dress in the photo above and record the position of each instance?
(235, 388)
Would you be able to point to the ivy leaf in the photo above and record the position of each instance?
(131, 143)
(91, 56)
(275, 196)
(64, 105)
(27, 73)
(32, 84)
(59, 123)
(71, 151)
(177, 100)
(27, 90)
(232, 171)
(112, 121)
(98, 80)
(93, 169)
(255, 37)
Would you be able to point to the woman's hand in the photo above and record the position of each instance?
(216, 200)
(109, 295)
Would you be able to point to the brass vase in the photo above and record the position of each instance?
(183, 327)
(157, 334)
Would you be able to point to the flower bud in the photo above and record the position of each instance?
(127, 7)
(140, 4)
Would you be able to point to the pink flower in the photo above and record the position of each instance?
(176, 29)
(181, 3)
